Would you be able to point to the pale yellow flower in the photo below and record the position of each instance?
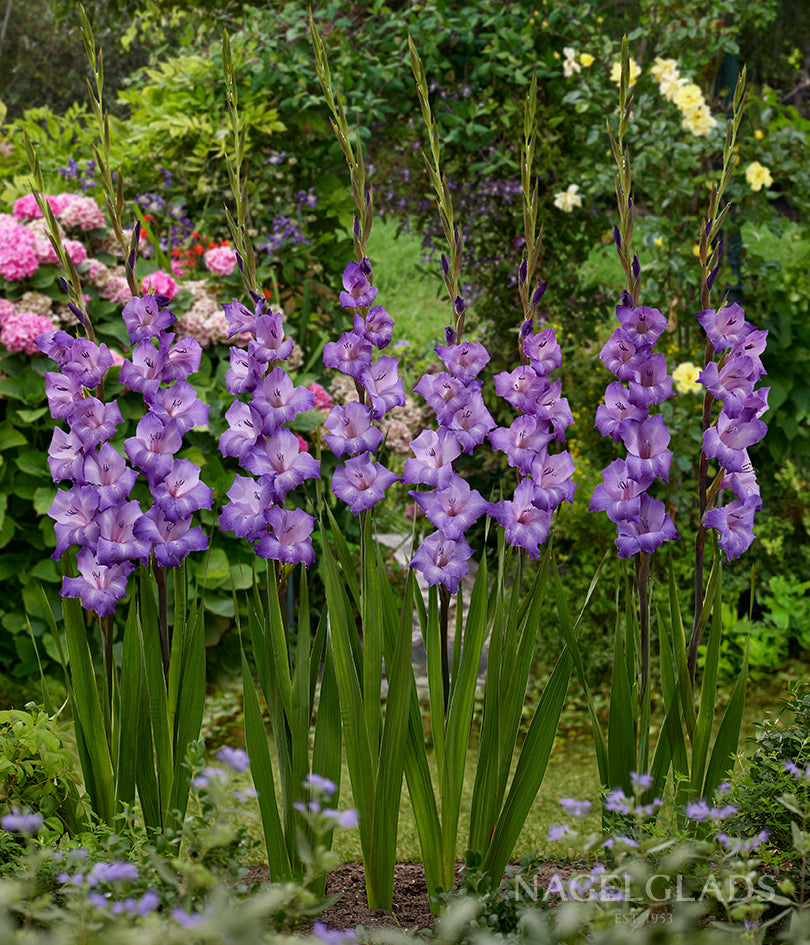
(669, 87)
(685, 378)
(570, 64)
(566, 200)
(758, 176)
(659, 241)
(664, 70)
(616, 72)
(696, 249)
(699, 121)
(688, 97)
(586, 59)
(758, 134)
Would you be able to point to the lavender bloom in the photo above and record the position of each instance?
(377, 327)
(543, 350)
(289, 539)
(74, 514)
(554, 409)
(522, 442)
(643, 326)
(239, 318)
(106, 470)
(383, 386)
(552, 478)
(244, 374)
(182, 359)
(180, 492)
(574, 807)
(270, 343)
(650, 383)
(281, 459)
(444, 393)
(153, 447)
(726, 327)
(618, 494)
(464, 360)
(453, 509)
(470, 423)
(733, 383)
(65, 455)
(145, 371)
(735, 523)
(94, 422)
(171, 541)
(244, 514)
(64, 393)
(87, 361)
(144, 318)
(235, 758)
(181, 405)
(616, 352)
(317, 782)
(434, 453)
(98, 586)
(244, 429)
(350, 430)
(358, 290)
(361, 483)
(612, 416)
(116, 538)
(647, 455)
(646, 533)
(57, 345)
(443, 561)
(26, 824)
(280, 401)
(730, 437)
(351, 354)
(525, 525)
(521, 388)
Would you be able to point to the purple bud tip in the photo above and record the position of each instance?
(240, 263)
(712, 277)
(257, 299)
(627, 299)
(630, 203)
(445, 265)
(356, 226)
(162, 301)
(131, 260)
(526, 328)
(523, 271)
(617, 237)
(64, 285)
(77, 312)
(636, 267)
(458, 305)
(455, 234)
(368, 197)
(365, 265)
(450, 336)
(137, 231)
(708, 228)
(538, 293)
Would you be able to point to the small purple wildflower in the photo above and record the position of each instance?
(235, 758)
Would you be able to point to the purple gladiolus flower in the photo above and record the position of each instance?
(552, 479)
(358, 290)
(646, 533)
(106, 470)
(65, 455)
(244, 514)
(270, 343)
(443, 561)
(647, 455)
(650, 383)
(434, 453)
(470, 423)
(522, 442)
(145, 319)
(180, 492)
(182, 359)
(94, 422)
(642, 325)
(445, 393)
(350, 430)
(57, 345)
(244, 429)
(74, 514)
(612, 416)
(616, 352)
(64, 392)
(733, 383)
(543, 350)
(377, 327)
(289, 539)
(88, 362)
(99, 587)
(619, 494)
(282, 461)
(153, 447)
(384, 386)
(464, 360)
(735, 523)
(244, 374)
(525, 525)
(554, 409)
(521, 387)
(728, 440)
(181, 405)
(239, 318)
(351, 354)
(171, 541)
(144, 372)
(280, 401)
(361, 483)
(726, 327)
(453, 509)
(116, 538)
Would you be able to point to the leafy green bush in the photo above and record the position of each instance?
(38, 771)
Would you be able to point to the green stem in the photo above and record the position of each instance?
(642, 578)
(163, 614)
(444, 616)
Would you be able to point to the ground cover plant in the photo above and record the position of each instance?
(304, 492)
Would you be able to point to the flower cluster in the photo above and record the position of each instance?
(686, 96)
(258, 437)
(643, 522)
(111, 531)
(543, 416)
(360, 482)
(731, 380)
(463, 423)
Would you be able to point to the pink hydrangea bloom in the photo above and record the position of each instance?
(221, 260)
(116, 290)
(6, 309)
(179, 268)
(323, 401)
(303, 446)
(26, 208)
(160, 283)
(81, 212)
(76, 251)
(21, 329)
(18, 252)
